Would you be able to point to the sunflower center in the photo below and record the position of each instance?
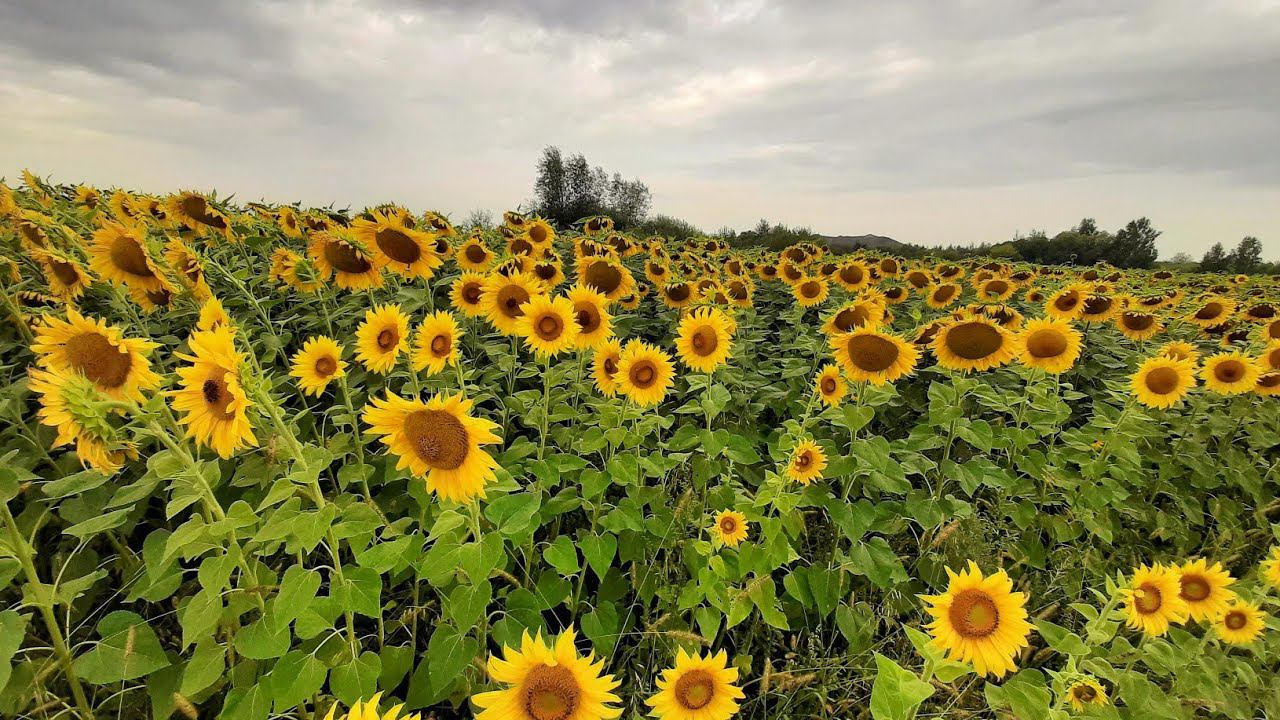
(159, 297)
(216, 395)
(538, 234)
(803, 460)
(1097, 305)
(728, 525)
(1162, 380)
(476, 253)
(1067, 302)
(872, 353)
(437, 437)
(550, 692)
(851, 274)
(1235, 620)
(545, 271)
(1147, 599)
(1229, 371)
(828, 386)
(65, 272)
(811, 289)
(587, 318)
(1138, 321)
(388, 339)
(1269, 380)
(98, 359)
(738, 290)
(1085, 693)
(704, 341)
(974, 614)
(1209, 311)
(510, 298)
(471, 293)
(695, 689)
(398, 246)
(917, 279)
(997, 287)
(441, 345)
(549, 327)
(974, 340)
(678, 293)
(889, 266)
(610, 367)
(1046, 344)
(944, 293)
(643, 374)
(345, 258)
(326, 366)
(127, 254)
(603, 277)
(520, 246)
(850, 318)
(1194, 588)
(197, 208)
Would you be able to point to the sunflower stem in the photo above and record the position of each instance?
(546, 405)
(18, 321)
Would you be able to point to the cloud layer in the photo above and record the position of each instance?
(931, 122)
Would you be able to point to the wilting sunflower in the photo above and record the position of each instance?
(810, 291)
(436, 343)
(213, 402)
(196, 212)
(67, 278)
(467, 293)
(548, 325)
(317, 364)
(979, 620)
(1230, 373)
(437, 440)
(340, 258)
(1240, 622)
(973, 344)
(590, 310)
(118, 253)
(1153, 600)
(405, 250)
(699, 687)
(1162, 381)
(1205, 588)
(368, 710)
(704, 339)
(730, 527)
(1085, 692)
(1179, 350)
(872, 356)
(503, 299)
(604, 367)
(1048, 344)
(548, 682)
(381, 338)
(830, 385)
(116, 365)
(807, 462)
(72, 405)
(1214, 311)
(608, 276)
(645, 373)
(1271, 568)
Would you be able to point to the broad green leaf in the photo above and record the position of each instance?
(896, 693)
(294, 679)
(129, 649)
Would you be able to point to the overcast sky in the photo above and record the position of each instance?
(931, 122)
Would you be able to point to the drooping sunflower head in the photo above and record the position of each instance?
(1212, 312)
(979, 620)
(1086, 691)
(338, 256)
(1205, 588)
(67, 278)
(704, 339)
(1049, 344)
(645, 373)
(436, 343)
(591, 312)
(407, 251)
(810, 291)
(604, 366)
(730, 527)
(467, 294)
(504, 298)
(116, 365)
(548, 325)
(973, 343)
(198, 213)
(807, 462)
(213, 403)
(1240, 622)
(830, 385)
(75, 407)
(548, 682)
(699, 687)
(1153, 600)
(318, 363)
(88, 196)
(1230, 373)
(119, 254)
(187, 265)
(868, 355)
(381, 338)
(1162, 381)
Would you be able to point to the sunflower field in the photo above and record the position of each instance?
(264, 461)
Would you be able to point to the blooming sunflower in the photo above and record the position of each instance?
(339, 257)
(213, 404)
(118, 253)
(437, 440)
(466, 294)
(730, 527)
(189, 268)
(88, 197)
(606, 275)
(70, 404)
(1271, 568)
(868, 355)
(116, 365)
(940, 296)
(1162, 381)
(830, 385)
(810, 291)
(604, 367)
(590, 311)
(1067, 303)
(381, 338)
(368, 710)
(1240, 623)
(862, 313)
(548, 682)
(1086, 691)
(474, 255)
(699, 687)
(1204, 588)
(704, 339)
(807, 462)
(973, 344)
(1137, 325)
(1230, 373)
(996, 290)
(317, 363)
(196, 212)
(436, 343)
(405, 250)
(852, 275)
(1153, 600)
(645, 373)
(287, 218)
(979, 620)
(67, 278)
(1214, 311)
(504, 297)
(1268, 384)
(1048, 344)
(548, 325)
(213, 315)
(1179, 350)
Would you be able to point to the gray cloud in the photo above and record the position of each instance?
(931, 121)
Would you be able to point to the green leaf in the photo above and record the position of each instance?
(479, 559)
(877, 560)
(207, 664)
(357, 679)
(200, 616)
(360, 591)
(252, 703)
(261, 641)
(896, 693)
(599, 551)
(1061, 639)
(448, 653)
(129, 649)
(13, 627)
(298, 590)
(562, 555)
(295, 678)
(98, 524)
(74, 484)
(467, 603)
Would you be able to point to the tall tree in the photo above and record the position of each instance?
(549, 185)
(1247, 256)
(1215, 260)
(568, 189)
(1135, 245)
(1087, 226)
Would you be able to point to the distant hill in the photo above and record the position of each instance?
(846, 243)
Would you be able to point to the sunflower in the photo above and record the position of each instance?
(369, 711)
(1205, 588)
(474, 255)
(67, 278)
(604, 366)
(699, 687)
(1179, 350)
(1230, 373)
(503, 299)
(152, 300)
(704, 339)
(810, 291)
(590, 311)
(436, 343)
(548, 325)
(940, 296)
(1268, 384)
(973, 344)
(338, 257)
(287, 218)
(730, 527)
(1048, 344)
(644, 374)
(1098, 308)
(540, 233)
(1085, 692)
(88, 197)
(979, 620)
(863, 313)
(408, 252)
(807, 462)
(1161, 381)
(830, 385)
(1270, 568)
(118, 253)
(317, 363)
(872, 356)
(1066, 304)
(437, 440)
(1137, 325)
(116, 365)
(71, 404)
(381, 338)
(996, 290)
(1212, 312)
(608, 276)
(548, 682)
(211, 398)
(1269, 331)
(1153, 600)
(196, 212)
(189, 268)
(678, 294)
(213, 315)
(466, 294)
(1240, 622)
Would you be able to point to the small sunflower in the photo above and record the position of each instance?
(830, 385)
(340, 258)
(810, 291)
(940, 296)
(979, 620)
(996, 290)
(872, 356)
(1214, 311)
(116, 365)
(548, 325)
(852, 275)
(1179, 350)
(504, 298)
(317, 364)
(807, 462)
(730, 527)
(699, 687)
(1162, 381)
(1270, 568)
(213, 403)
(604, 367)
(863, 313)
(1205, 588)
(548, 682)
(189, 268)
(1230, 373)
(436, 343)
(196, 212)
(67, 278)
(1153, 600)
(405, 250)
(678, 294)
(1086, 692)
(1137, 325)
(1067, 303)
(606, 275)
(118, 253)
(1049, 344)
(590, 310)
(213, 315)
(1240, 623)
(645, 373)
(474, 255)
(973, 344)
(437, 440)
(467, 294)
(381, 338)
(704, 339)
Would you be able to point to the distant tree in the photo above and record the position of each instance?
(1215, 260)
(480, 218)
(1134, 246)
(568, 189)
(1182, 258)
(1087, 226)
(628, 201)
(549, 186)
(668, 227)
(1247, 256)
